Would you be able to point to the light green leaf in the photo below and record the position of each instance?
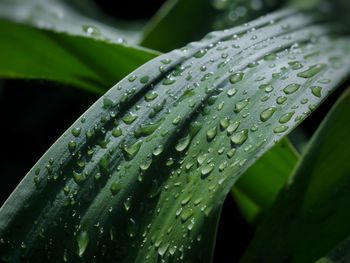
(256, 191)
(142, 175)
(181, 21)
(83, 62)
(312, 215)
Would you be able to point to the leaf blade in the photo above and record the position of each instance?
(165, 197)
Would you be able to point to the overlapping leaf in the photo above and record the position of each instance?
(59, 45)
(141, 176)
(317, 218)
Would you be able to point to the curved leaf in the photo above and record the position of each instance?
(86, 63)
(142, 175)
(318, 215)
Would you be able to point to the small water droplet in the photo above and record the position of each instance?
(267, 113)
(280, 129)
(211, 133)
(237, 77)
(239, 106)
(316, 91)
(76, 132)
(239, 137)
(115, 187)
(91, 30)
(286, 117)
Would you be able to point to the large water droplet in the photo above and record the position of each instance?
(316, 91)
(312, 71)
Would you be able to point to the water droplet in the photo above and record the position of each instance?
(166, 61)
(200, 53)
(130, 118)
(130, 152)
(72, 145)
(237, 77)
(239, 137)
(168, 81)
(151, 96)
(286, 117)
(144, 79)
(186, 200)
(281, 100)
(211, 133)
(117, 132)
(233, 127)
(267, 113)
(270, 57)
(76, 132)
(132, 78)
(266, 87)
(231, 153)
(295, 65)
(207, 169)
(311, 71)
(231, 92)
(316, 91)
(186, 214)
(177, 120)
(91, 30)
(158, 150)
(115, 187)
(280, 129)
(83, 241)
(241, 105)
(224, 123)
(183, 143)
(290, 89)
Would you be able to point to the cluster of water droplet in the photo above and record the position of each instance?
(149, 164)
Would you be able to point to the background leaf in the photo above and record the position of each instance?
(317, 200)
(86, 63)
(256, 191)
(181, 21)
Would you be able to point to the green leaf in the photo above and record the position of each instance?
(137, 179)
(94, 65)
(256, 191)
(181, 21)
(312, 215)
(60, 16)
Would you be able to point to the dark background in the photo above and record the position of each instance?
(35, 113)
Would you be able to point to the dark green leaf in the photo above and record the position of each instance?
(312, 215)
(181, 21)
(100, 195)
